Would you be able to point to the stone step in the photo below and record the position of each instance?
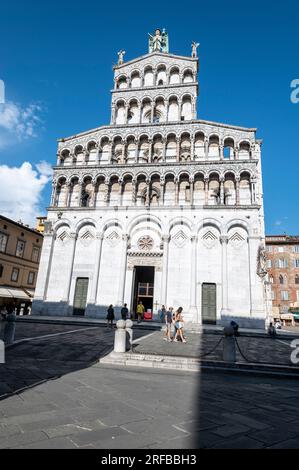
(193, 364)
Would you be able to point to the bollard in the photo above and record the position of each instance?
(120, 337)
(129, 329)
(229, 344)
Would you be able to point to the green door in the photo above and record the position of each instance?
(80, 295)
(208, 301)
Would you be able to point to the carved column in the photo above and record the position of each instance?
(192, 147)
(97, 260)
(150, 149)
(191, 182)
(147, 196)
(236, 153)
(206, 149)
(69, 269)
(136, 151)
(165, 239)
(194, 107)
(224, 242)
(206, 180)
(126, 113)
(113, 114)
(162, 185)
(222, 190)
(110, 152)
(95, 193)
(166, 110)
(221, 154)
(178, 149)
(193, 282)
(92, 195)
(80, 193)
(134, 191)
(54, 192)
(140, 114)
(164, 150)
(152, 112)
(237, 190)
(106, 196)
(120, 191)
(123, 269)
(123, 155)
(252, 190)
(176, 182)
(179, 110)
(98, 160)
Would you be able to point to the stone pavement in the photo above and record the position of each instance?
(66, 401)
(44, 357)
(209, 347)
(104, 408)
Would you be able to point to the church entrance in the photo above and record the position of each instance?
(80, 296)
(143, 287)
(208, 301)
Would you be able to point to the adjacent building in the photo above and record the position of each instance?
(283, 268)
(158, 206)
(20, 249)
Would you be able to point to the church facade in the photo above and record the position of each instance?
(158, 206)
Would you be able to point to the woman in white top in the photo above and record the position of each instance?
(179, 324)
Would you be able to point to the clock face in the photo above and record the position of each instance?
(145, 243)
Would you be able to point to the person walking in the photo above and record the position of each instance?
(162, 313)
(10, 326)
(272, 331)
(110, 316)
(168, 323)
(124, 312)
(140, 311)
(179, 323)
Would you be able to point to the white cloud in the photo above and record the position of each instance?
(18, 123)
(21, 189)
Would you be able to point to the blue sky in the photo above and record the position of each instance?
(56, 62)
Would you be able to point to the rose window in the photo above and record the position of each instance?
(145, 243)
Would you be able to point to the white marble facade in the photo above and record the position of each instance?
(160, 188)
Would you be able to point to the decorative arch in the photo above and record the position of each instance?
(83, 222)
(145, 218)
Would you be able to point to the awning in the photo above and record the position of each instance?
(30, 292)
(13, 293)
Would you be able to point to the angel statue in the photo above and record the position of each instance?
(158, 42)
(194, 47)
(121, 57)
(261, 261)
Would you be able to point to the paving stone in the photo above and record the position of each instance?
(98, 435)
(273, 436)
(246, 420)
(56, 443)
(145, 405)
(239, 443)
(69, 429)
(230, 430)
(288, 444)
(22, 439)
